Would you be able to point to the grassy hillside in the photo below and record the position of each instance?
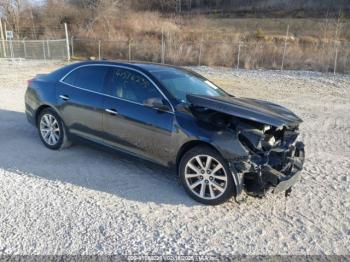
(246, 8)
(298, 27)
(240, 33)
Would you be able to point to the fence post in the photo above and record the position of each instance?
(163, 47)
(67, 41)
(24, 49)
(169, 45)
(11, 49)
(239, 54)
(200, 52)
(335, 58)
(285, 47)
(48, 49)
(99, 49)
(2, 38)
(44, 50)
(129, 50)
(72, 45)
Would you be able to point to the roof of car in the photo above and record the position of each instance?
(145, 67)
(133, 64)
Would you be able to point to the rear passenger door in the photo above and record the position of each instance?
(131, 125)
(80, 100)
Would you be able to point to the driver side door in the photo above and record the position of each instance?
(128, 123)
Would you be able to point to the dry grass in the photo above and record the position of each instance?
(192, 40)
(253, 54)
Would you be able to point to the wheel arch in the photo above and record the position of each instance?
(188, 146)
(43, 107)
(38, 112)
(193, 143)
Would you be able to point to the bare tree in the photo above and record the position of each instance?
(11, 10)
(339, 24)
(179, 6)
(325, 27)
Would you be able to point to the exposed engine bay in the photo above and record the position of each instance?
(274, 156)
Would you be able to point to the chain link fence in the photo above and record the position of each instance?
(324, 57)
(330, 57)
(34, 49)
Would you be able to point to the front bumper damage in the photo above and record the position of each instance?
(274, 172)
(266, 155)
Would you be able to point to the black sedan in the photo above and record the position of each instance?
(220, 145)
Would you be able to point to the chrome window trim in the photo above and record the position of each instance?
(104, 94)
(123, 67)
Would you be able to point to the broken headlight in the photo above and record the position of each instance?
(266, 128)
(269, 142)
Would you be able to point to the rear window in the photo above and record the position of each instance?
(87, 77)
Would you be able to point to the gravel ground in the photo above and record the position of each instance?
(84, 200)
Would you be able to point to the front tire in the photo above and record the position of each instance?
(206, 176)
(51, 130)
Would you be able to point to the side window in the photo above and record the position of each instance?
(130, 85)
(88, 77)
(71, 78)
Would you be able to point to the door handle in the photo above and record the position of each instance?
(111, 111)
(64, 98)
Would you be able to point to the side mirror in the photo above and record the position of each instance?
(156, 103)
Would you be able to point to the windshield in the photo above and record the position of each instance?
(181, 83)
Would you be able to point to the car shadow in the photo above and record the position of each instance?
(82, 165)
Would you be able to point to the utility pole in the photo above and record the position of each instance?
(2, 38)
(67, 41)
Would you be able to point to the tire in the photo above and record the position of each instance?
(204, 166)
(51, 130)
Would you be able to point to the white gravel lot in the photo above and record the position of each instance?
(84, 200)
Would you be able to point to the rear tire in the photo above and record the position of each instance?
(206, 176)
(52, 131)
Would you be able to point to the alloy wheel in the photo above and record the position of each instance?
(50, 129)
(206, 177)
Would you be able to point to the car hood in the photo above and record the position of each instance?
(252, 109)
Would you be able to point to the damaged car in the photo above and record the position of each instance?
(220, 145)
